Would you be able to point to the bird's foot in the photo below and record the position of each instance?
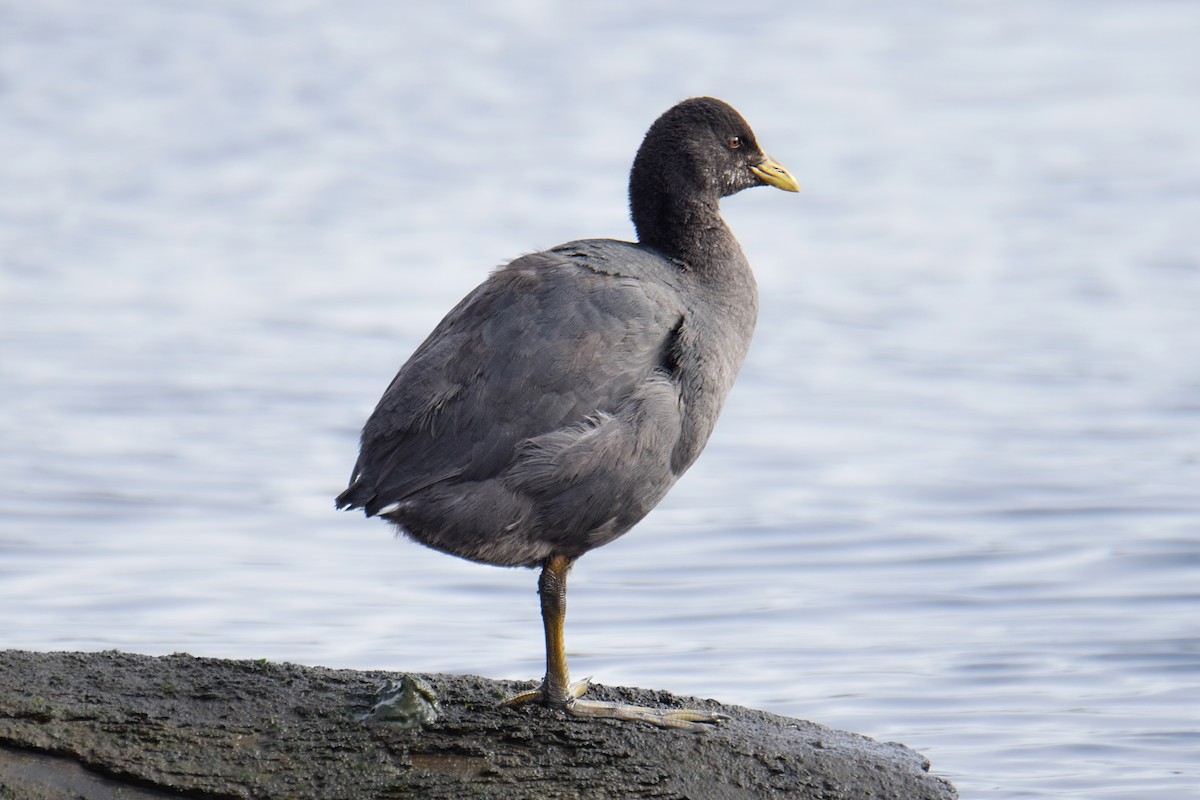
(541, 697)
(682, 718)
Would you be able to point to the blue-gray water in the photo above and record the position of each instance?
(952, 501)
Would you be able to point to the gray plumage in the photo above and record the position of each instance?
(558, 402)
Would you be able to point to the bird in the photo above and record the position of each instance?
(558, 402)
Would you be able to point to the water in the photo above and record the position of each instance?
(952, 501)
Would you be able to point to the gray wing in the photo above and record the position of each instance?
(542, 345)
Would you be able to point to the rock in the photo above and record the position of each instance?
(115, 725)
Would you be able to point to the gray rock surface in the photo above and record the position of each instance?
(115, 725)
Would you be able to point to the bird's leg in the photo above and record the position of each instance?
(557, 691)
(552, 589)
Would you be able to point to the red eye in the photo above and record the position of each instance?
(735, 142)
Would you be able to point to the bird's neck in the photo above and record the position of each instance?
(691, 231)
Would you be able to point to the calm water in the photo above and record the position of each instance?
(952, 502)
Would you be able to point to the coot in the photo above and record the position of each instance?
(560, 400)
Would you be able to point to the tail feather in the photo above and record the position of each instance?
(355, 496)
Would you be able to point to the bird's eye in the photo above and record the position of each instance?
(735, 142)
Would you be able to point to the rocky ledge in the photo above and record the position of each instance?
(116, 725)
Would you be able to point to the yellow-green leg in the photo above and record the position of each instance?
(557, 691)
